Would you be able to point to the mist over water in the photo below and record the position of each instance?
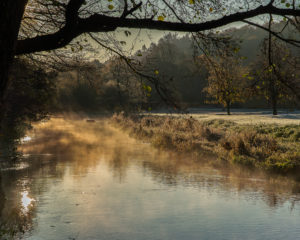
(88, 180)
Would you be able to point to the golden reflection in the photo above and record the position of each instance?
(85, 145)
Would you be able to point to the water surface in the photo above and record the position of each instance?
(85, 180)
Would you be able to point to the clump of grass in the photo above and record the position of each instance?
(180, 134)
(288, 132)
(219, 123)
(251, 148)
(270, 147)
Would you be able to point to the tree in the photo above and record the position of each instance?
(225, 80)
(92, 86)
(52, 24)
(30, 97)
(276, 74)
(10, 20)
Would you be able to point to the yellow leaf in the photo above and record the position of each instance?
(111, 7)
(192, 1)
(160, 18)
(156, 72)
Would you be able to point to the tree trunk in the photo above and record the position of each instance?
(272, 87)
(11, 13)
(273, 94)
(228, 107)
(274, 102)
(2, 199)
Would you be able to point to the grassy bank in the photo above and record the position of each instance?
(269, 147)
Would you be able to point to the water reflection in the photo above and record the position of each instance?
(15, 212)
(26, 201)
(26, 139)
(88, 180)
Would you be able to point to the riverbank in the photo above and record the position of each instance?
(271, 147)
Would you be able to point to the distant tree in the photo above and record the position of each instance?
(91, 87)
(276, 73)
(226, 80)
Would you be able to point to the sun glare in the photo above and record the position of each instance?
(26, 201)
(26, 139)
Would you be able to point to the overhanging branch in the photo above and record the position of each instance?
(103, 23)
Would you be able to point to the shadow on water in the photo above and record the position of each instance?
(77, 147)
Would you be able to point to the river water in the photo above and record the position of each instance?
(88, 180)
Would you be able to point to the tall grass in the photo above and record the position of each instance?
(269, 147)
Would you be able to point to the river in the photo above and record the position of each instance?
(88, 180)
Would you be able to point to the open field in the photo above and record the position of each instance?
(241, 116)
